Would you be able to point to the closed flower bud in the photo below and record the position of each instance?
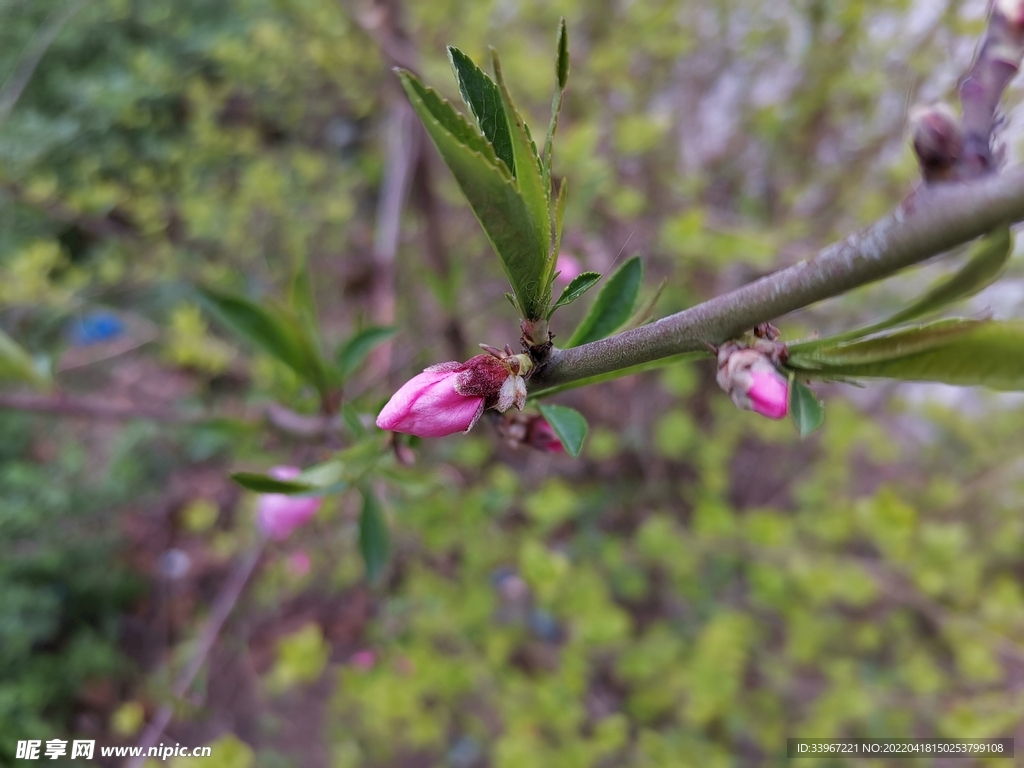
(542, 437)
(752, 381)
(937, 139)
(277, 514)
(451, 397)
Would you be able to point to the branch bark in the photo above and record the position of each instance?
(933, 220)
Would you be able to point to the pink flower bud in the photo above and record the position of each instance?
(277, 515)
(450, 397)
(937, 139)
(752, 381)
(568, 269)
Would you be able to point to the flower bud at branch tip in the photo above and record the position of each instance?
(752, 381)
(451, 397)
(1013, 10)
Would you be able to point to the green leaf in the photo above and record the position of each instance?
(482, 96)
(561, 80)
(533, 186)
(17, 365)
(253, 481)
(374, 541)
(560, 201)
(355, 350)
(985, 353)
(579, 285)
(988, 257)
(562, 65)
(518, 237)
(805, 409)
(614, 305)
(886, 346)
(269, 328)
(318, 480)
(569, 425)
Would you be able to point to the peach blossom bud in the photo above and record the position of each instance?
(937, 139)
(450, 397)
(277, 514)
(752, 381)
(428, 405)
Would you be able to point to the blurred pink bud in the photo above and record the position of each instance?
(363, 659)
(277, 515)
(937, 139)
(1013, 10)
(450, 397)
(299, 563)
(568, 267)
(542, 437)
(752, 381)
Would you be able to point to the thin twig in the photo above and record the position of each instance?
(274, 414)
(222, 608)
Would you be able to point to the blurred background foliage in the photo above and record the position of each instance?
(697, 587)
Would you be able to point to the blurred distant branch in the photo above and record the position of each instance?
(930, 222)
(222, 608)
(37, 48)
(274, 414)
(971, 202)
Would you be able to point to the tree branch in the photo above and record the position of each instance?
(933, 220)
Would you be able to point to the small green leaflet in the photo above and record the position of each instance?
(561, 80)
(805, 409)
(482, 96)
(569, 425)
(614, 305)
(579, 285)
(353, 353)
(374, 540)
(318, 480)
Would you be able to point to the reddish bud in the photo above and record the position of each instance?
(752, 381)
(937, 139)
(277, 515)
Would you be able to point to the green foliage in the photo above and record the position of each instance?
(805, 409)
(962, 352)
(374, 540)
(277, 332)
(353, 353)
(569, 425)
(614, 305)
(579, 285)
(506, 214)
